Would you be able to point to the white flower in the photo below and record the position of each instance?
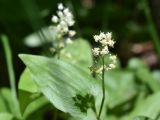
(96, 38)
(104, 39)
(58, 28)
(60, 6)
(109, 35)
(104, 51)
(96, 51)
(72, 33)
(104, 42)
(66, 11)
(112, 66)
(70, 23)
(113, 57)
(99, 71)
(111, 43)
(69, 41)
(68, 17)
(63, 23)
(64, 20)
(65, 29)
(102, 35)
(54, 19)
(60, 14)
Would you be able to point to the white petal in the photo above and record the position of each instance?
(60, 14)
(60, 6)
(54, 19)
(72, 33)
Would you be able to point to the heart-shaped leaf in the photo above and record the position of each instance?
(65, 85)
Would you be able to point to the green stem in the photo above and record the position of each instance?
(8, 56)
(103, 91)
(152, 28)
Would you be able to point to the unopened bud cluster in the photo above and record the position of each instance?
(62, 23)
(112, 63)
(104, 41)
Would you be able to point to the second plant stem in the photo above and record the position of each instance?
(8, 55)
(103, 91)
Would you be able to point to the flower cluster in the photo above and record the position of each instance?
(105, 41)
(62, 23)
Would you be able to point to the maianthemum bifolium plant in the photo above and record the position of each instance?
(64, 20)
(71, 88)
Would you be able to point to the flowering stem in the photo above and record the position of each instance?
(103, 91)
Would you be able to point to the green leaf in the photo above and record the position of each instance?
(135, 64)
(26, 98)
(61, 82)
(149, 107)
(146, 76)
(30, 97)
(6, 116)
(117, 83)
(25, 81)
(27, 94)
(35, 106)
(143, 74)
(79, 52)
(3, 107)
(156, 75)
(6, 103)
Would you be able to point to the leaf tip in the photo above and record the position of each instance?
(21, 56)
